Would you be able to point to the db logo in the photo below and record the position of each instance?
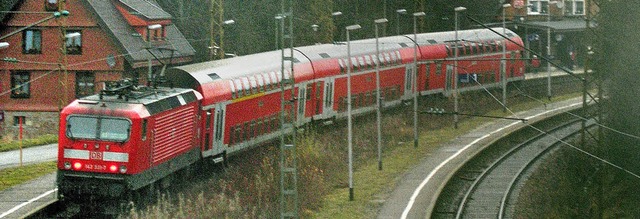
(95, 155)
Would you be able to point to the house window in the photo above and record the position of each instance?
(31, 42)
(85, 85)
(73, 42)
(574, 7)
(51, 5)
(18, 120)
(538, 7)
(20, 84)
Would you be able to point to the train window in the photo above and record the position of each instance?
(467, 49)
(318, 89)
(487, 47)
(474, 48)
(278, 78)
(273, 79)
(393, 58)
(354, 64)
(309, 90)
(233, 89)
(238, 84)
(259, 127)
(287, 77)
(513, 57)
(367, 60)
(245, 130)
(341, 64)
(367, 98)
(363, 65)
(494, 46)
(399, 60)
(238, 134)
(387, 59)
(246, 85)
(260, 82)
(254, 84)
(267, 82)
(252, 129)
(448, 48)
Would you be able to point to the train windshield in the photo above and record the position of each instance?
(98, 128)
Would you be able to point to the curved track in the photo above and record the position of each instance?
(483, 187)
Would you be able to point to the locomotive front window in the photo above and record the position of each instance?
(109, 129)
(114, 129)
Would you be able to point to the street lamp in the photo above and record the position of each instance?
(378, 101)
(350, 137)
(277, 19)
(315, 30)
(228, 22)
(335, 15)
(455, 69)
(549, 48)
(503, 63)
(398, 13)
(415, 77)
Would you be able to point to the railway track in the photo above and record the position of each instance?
(484, 187)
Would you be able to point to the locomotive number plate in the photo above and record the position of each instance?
(95, 155)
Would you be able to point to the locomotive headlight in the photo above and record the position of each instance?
(113, 168)
(77, 166)
(67, 165)
(123, 169)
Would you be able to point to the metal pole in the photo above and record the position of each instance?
(455, 70)
(503, 62)
(398, 12)
(378, 100)
(415, 77)
(549, 51)
(350, 135)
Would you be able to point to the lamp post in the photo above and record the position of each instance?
(455, 69)
(398, 13)
(350, 136)
(213, 48)
(549, 48)
(315, 33)
(503, 62)
(378, 100)
(415, 77)
(277, 20)
(335, 15)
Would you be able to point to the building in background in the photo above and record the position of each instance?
(54, 62)
(563, 20)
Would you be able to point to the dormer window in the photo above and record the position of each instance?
(155, 32)
(51, 5)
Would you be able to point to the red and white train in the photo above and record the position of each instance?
(117, 142)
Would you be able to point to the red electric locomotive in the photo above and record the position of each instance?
(126, 139)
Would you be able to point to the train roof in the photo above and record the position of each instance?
(205, 72)
(155, 100)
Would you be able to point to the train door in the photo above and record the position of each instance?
(448, 82)
(218, 128)
(427, 76)
(302, 101)
(327, 110)
(408, 80)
